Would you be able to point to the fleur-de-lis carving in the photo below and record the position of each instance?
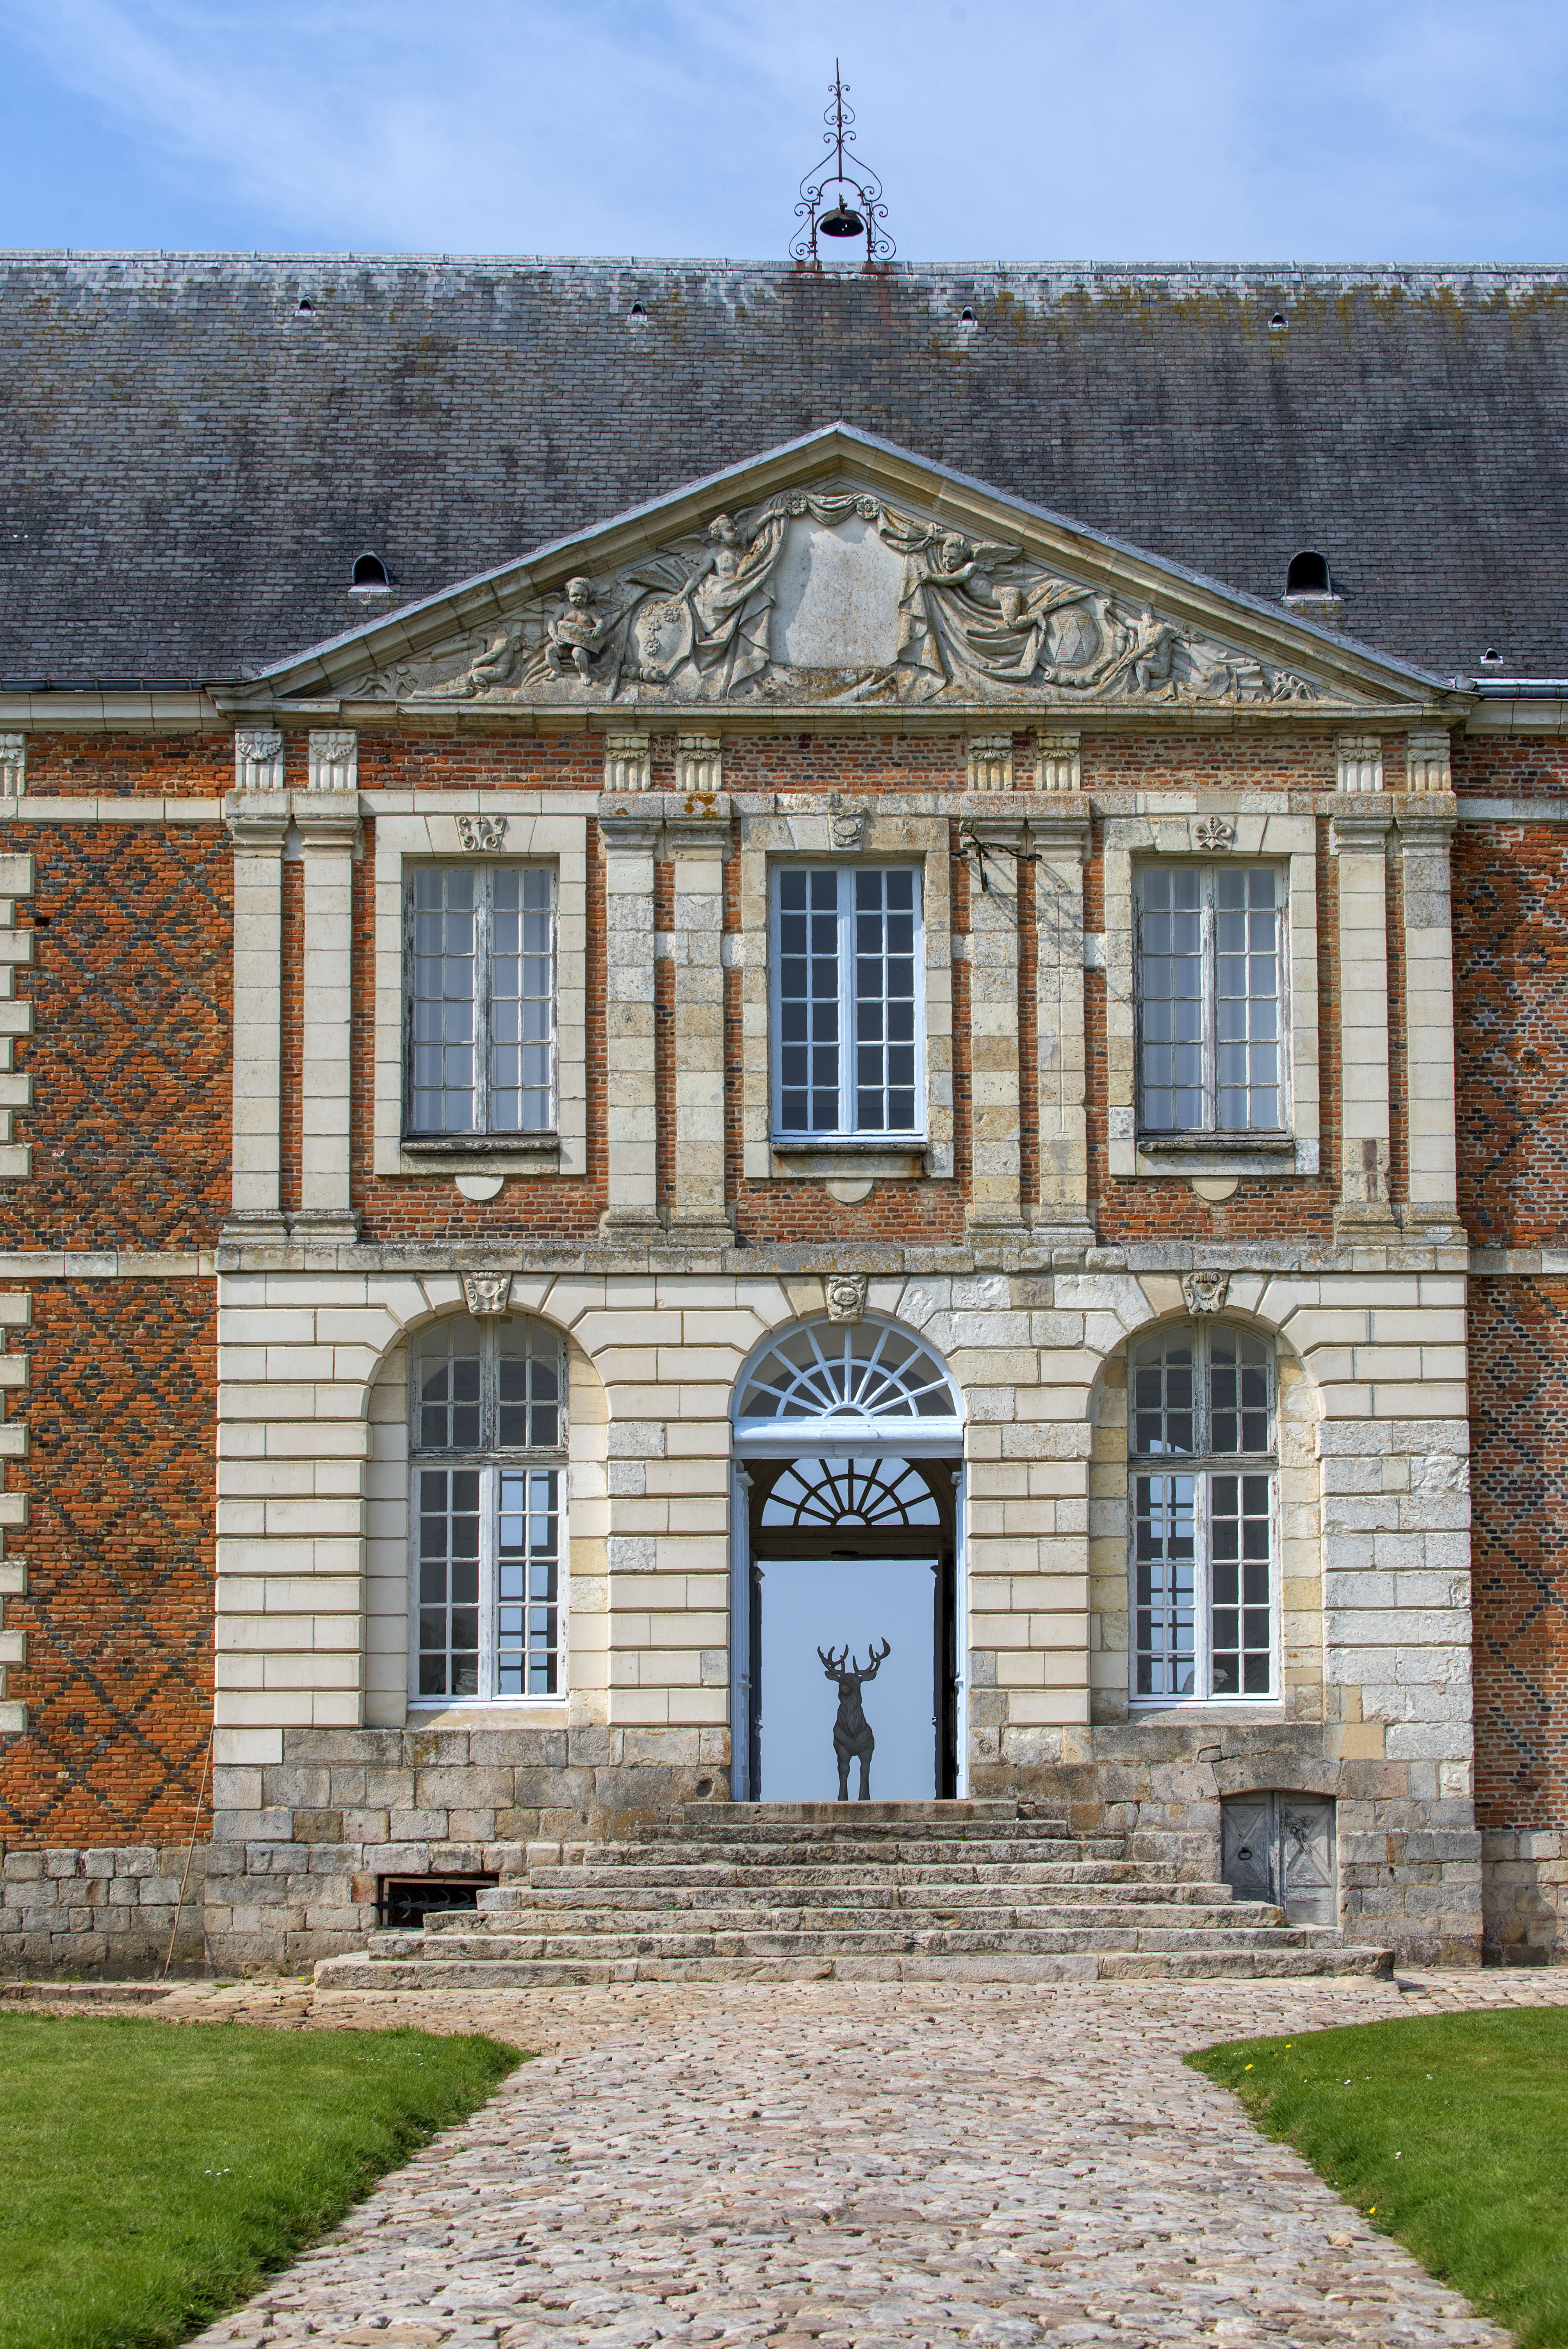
(486, 831)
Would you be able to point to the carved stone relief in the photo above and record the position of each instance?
(847, 826)
(333, 759)
(1211, 831)
(12, 765)
(988, 763)
(846, 1295)
(1206, 1292)
(628, 762)
(835, 595)
(486, 831)
(259, 758)
(485, 1293)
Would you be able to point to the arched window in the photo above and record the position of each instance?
(369, 571)
(844, 1373)
(487, 1407)
(880, 1494)
(1203, 1547)
(1308, 574)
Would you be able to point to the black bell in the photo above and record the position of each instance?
(842, 220)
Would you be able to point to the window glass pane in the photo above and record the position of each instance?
(1240, 1523)
(447, 1417)
(1163, 1560)
(442, 1000)
(1247, 998)
(449, 1570)
(527, 1384)
(1239, 1409)
(1170, 941)
(1162, 1396)
(809, 1040)
(528, 1555)
(885, 963)
(522, 1001)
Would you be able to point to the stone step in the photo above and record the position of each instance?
(954, 1817)
(357, 1971)
(855, 1925)
(759, 1939)
(1093, 1881)
(859, 1901)
(847, 1852)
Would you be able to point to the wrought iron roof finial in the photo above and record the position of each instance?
(865, 216)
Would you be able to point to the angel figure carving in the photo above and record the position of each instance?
(852, 1739)
(710, 614)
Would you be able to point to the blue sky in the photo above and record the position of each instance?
(1022, 130)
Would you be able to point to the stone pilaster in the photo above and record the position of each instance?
(698, 843)
(996, 1196)
(628, 840)
(1061, 844)
(1425, 828)
(258, 822)
(328, 821)
(1361, 827)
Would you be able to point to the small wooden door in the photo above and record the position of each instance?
(1280, 1846)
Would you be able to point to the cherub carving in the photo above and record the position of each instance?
(577, 636)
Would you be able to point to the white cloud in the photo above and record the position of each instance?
(1021, 128)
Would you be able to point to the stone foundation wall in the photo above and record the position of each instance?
(1524, 1896)
(296, 1861)
(102, 1912)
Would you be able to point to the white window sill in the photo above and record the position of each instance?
(458, 1712)
(1152, 1708)
(892, 1157)
(1156, 1144)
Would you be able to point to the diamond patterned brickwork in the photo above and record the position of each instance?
(118, 1605)
(130, 1055)
(1510, 1039)
(1519, 1391)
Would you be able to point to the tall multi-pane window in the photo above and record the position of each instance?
(1200, 1439)
(848, 1002)
(487, 1434)
(481, 1000)
(1211, 998)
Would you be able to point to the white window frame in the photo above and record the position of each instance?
(849, 1129)
(1202, 1465)
(489, 1464)
(1261, 833)
(439, 827)
(1210, 1134)
(482, 1134)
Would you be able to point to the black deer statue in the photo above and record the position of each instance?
(852, 1739)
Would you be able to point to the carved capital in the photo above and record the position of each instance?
(13, 766)
(258, 759)
(486, 1293)
(1057, 764)
(846, 1295)
(700, 763)
(1429, 761)
(988, 763)
(333, 759)
(1358, 760)
(1206, 1292)
(628, 762)
(483, 831)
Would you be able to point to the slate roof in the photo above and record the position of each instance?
(190, 464)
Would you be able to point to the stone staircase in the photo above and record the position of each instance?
(860, 1892)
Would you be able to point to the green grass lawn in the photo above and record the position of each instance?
(152, 2174)
(1450, 2130)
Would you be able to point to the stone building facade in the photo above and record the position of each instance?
(832, 1040)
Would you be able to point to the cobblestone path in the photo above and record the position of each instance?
(827, 2165)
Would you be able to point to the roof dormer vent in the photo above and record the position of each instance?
(1491, 658)
(304, 307)
(1278, 322)
(1308, 574)
(370, 576)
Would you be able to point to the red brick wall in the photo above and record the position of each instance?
(1518, 1416)
(119, 1611)
(130, 1059)
(1510, 1031)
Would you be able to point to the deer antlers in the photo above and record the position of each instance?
(835, 1669)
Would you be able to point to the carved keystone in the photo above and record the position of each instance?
(1206, 1292)
(1215, 832)
(846, 1295)
(486, 1293)
(486, 831)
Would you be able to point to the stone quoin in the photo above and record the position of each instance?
(833, 1019)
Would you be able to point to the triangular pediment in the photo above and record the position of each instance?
(841, 572)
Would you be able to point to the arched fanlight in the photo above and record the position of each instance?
(842, 1375)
